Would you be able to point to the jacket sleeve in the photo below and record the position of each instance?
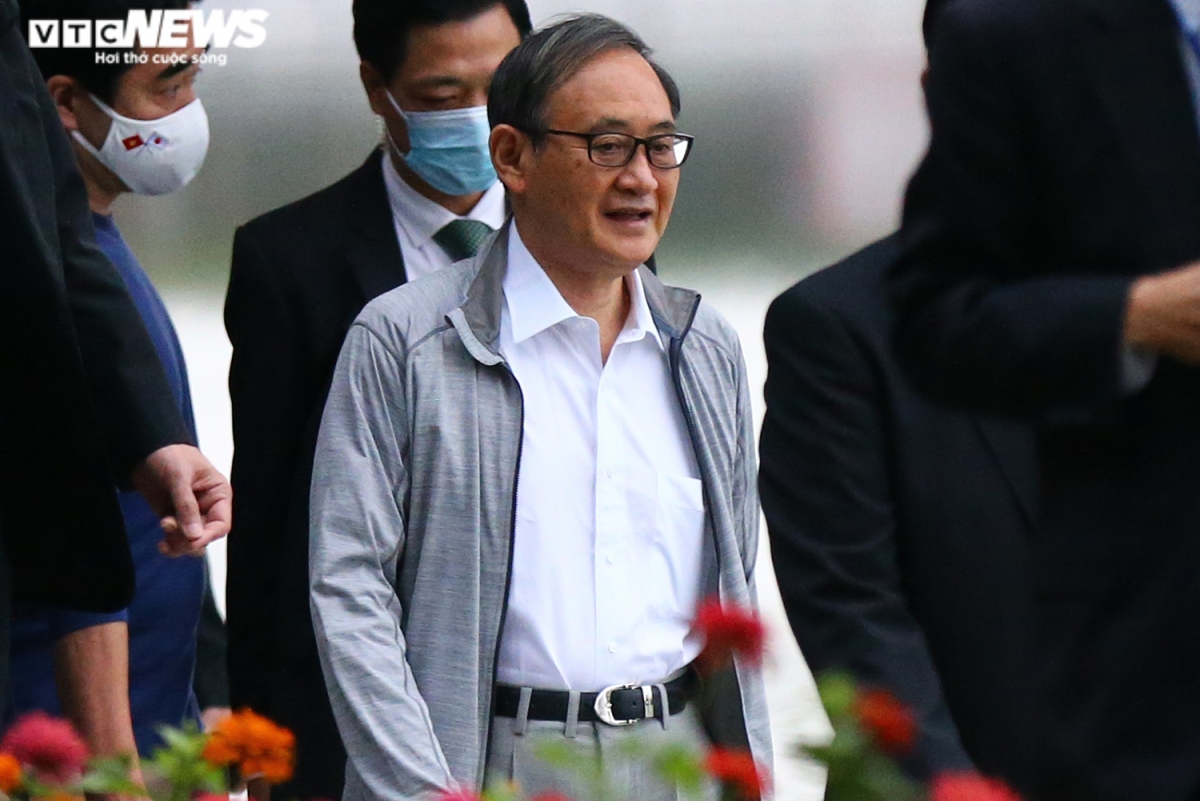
(358, 539)
(826, 493)
(988, 317)
(267, 380)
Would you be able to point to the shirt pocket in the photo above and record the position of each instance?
(680, 492)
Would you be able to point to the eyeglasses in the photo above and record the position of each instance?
(666, 151)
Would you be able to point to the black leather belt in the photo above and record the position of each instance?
(619, 705)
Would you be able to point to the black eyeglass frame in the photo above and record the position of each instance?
(637, 140)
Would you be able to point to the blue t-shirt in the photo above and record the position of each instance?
(166, 607)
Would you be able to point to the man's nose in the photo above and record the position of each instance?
(638, 174)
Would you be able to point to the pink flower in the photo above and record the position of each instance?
(967, 786)
(50, 746)
(459, 795)
(210, 797)
(729, 630)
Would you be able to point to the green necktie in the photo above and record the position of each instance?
(461, 239)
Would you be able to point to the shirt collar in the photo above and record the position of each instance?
(420, 218)
(535, 304)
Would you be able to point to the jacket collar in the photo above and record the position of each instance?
(478, 319)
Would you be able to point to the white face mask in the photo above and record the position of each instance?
(153, 157)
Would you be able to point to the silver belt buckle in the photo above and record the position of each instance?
(603, 705)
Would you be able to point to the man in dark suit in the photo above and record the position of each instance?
(1050, 271)
(83, 396)
(300, 276)
(897, 527)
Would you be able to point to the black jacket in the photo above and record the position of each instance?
(300, 276)
(897, 527)
(1065, 162)
(83, 397)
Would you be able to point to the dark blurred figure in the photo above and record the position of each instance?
(84, 402)
(426, 198)
(211, 682)
(136, 665)
(897, 527)
(1051, 239)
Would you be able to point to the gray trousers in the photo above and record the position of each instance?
(622, 752)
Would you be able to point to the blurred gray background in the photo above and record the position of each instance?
(808, 119)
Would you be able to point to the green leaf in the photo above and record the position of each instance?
(679, 765)
(837, 691)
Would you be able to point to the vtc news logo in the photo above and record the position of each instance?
(154, 29)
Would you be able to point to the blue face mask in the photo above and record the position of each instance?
(448, 149)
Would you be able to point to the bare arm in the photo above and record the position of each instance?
(91, 669)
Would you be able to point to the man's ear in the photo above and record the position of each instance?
(512, 152)
(66, 92)
(376, 88)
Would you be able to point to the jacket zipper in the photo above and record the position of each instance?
(675, 352)
(512, 532)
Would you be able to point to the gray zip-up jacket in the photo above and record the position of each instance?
(413, 502)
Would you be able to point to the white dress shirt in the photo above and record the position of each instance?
(417, 219)
(610, 544)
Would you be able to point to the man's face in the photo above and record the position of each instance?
(150, 91)
(448, 66)
(593, 217)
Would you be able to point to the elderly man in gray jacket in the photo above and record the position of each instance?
(533, 465)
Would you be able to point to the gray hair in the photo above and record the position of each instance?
(550, 57)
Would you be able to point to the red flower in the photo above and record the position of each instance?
(48, 745)
(739, 770)
(729, 630)
(210, 797)
(966, 786)
(890, 723)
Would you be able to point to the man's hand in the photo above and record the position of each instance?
(1163, 314)
(193, 499)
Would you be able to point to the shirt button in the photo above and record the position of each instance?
(612, 647)
(608, 473)
(609, 559)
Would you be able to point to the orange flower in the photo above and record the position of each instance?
(890, 723)
(738, 770)
(728, 630)
(60, 795)
(11, 775)
(967, 786)
(256, 745)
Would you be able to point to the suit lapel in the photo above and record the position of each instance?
(1131, 49)
(1015, 453)
(374, 257)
